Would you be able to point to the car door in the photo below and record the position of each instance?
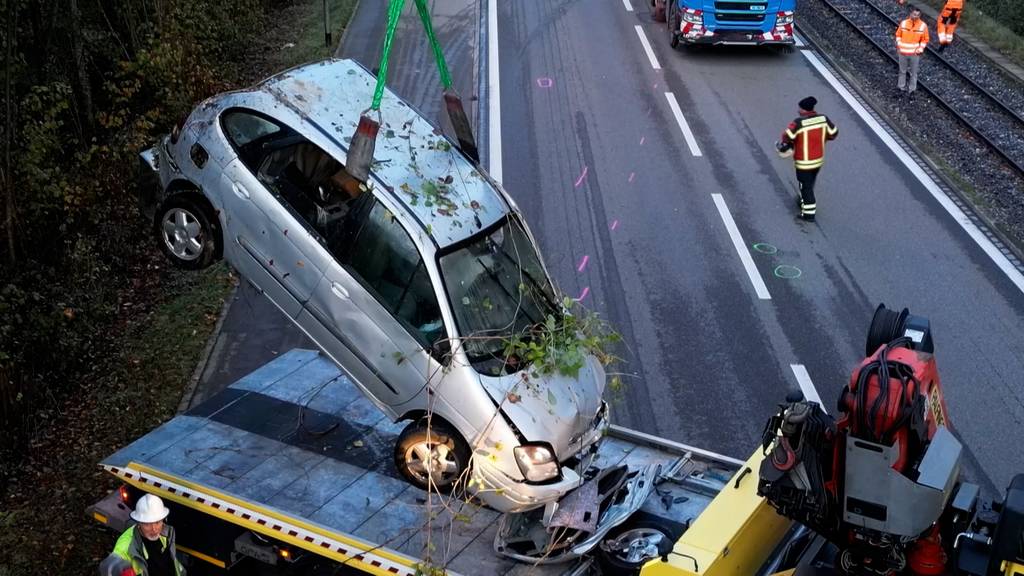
(269, 212)
(378, 305)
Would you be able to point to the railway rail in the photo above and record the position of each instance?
(993, 113)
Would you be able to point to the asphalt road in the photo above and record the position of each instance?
(596, 158)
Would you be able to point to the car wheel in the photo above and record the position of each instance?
(434, 460)
(629, 546)
(187, 232)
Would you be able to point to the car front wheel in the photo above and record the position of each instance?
(187, 232)
(431, 458)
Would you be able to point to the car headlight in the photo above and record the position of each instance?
(693, 16)
(784, 18)
(537, 462)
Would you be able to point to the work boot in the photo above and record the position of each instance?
(807, 217)
(942, 47)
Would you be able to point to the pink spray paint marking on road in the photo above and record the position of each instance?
(615, 224)
(545, 82)
(631, 176)
(642, 139)
(583, 263)
(586, 290)
(580, 179)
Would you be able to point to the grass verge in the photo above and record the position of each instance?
(989, 31)
(137, 383)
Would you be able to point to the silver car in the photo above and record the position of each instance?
(412, 282)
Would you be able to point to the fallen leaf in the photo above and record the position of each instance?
(358, 443)
(513, 397)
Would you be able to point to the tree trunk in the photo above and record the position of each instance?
(78, 51)
(7, 179)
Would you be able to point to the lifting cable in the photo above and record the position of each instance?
(360, 153)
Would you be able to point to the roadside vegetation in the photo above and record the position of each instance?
(998, 23)
(98, 336)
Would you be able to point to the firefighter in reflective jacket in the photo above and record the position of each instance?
(947, 21)
(804, 139)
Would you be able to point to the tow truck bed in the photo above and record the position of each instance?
(295, 452)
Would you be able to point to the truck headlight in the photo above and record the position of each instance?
(537, 462)
(693, 16)
(784, 18)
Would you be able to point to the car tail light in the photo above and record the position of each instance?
(123, 494)
(784, 18)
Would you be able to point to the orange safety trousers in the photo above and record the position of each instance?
(948, 20)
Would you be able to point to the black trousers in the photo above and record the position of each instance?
(806, 178)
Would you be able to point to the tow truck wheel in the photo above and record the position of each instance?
(434, 459)
(629, 546)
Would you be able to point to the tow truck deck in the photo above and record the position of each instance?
(294, 459)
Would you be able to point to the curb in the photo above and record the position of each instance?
(204, 356)
(336, 53)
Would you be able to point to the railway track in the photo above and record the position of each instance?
(989, 105)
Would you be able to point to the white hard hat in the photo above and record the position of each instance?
(148, 509)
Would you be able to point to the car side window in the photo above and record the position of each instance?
(246, 131)
(315, 186)
(386, 261)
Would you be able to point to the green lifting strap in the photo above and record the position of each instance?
(394, 11)
(442, 67)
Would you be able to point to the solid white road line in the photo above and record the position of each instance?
(687, 133)
(741, 248)
(806, 386)
(493, 93)
(647, 47)
(958, 215)
(629, 7)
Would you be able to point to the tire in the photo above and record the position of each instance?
(672, 24)
(629, 561)
(187, 232)
(444, 445)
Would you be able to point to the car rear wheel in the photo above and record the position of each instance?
(433, 459)
(629, 546)
(187, 232)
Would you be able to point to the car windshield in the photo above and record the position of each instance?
(497, 289)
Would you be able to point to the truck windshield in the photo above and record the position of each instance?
(497, 289)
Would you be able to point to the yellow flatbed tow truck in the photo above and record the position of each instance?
(288, 472)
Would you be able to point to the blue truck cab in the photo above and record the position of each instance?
(744, 22)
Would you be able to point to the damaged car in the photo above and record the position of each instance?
(413, 282)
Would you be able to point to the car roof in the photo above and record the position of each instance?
(413, 159)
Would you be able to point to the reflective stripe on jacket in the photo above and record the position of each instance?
(911, 38)
(807, 135)
(129, 549)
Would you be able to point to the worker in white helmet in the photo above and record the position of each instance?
(147, 547)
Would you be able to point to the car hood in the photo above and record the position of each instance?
(556, 409)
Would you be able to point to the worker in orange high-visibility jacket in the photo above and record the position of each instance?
(946, 23)
(805, 139)
(911, 40)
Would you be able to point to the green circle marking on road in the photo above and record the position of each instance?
(765, 248)
(788, 272)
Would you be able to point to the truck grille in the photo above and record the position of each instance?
(757, 7)
(734, 17)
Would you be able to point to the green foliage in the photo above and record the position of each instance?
(561, 344)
